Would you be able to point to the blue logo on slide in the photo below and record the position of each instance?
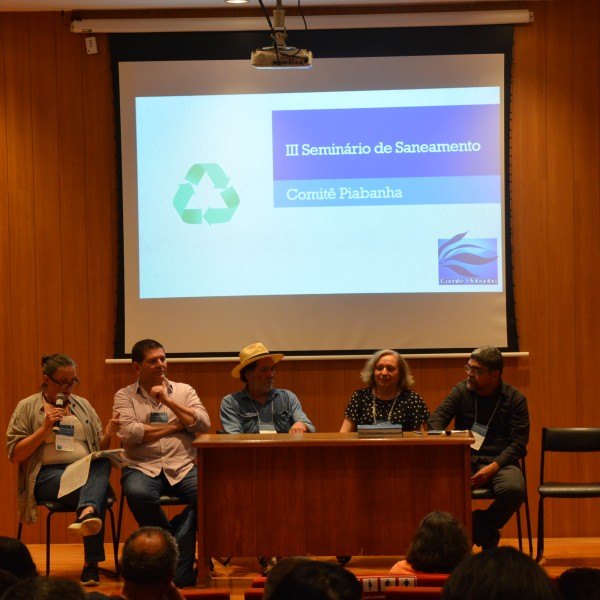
(467, 261)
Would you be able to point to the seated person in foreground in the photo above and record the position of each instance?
(259, 407)
(388, 397)
(148, 563)
(499, 574)
(439, 544)
(497, 415)
(280, 570)
(579, 583)
(318, 580)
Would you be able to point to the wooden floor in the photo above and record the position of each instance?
(66, 561)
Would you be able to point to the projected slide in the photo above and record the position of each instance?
(356, 205)
(220, 176)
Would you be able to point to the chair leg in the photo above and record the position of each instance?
(50, 513)
(540, 540)
(120, 518)
(528, 524)
(519, 530)
(115, 540)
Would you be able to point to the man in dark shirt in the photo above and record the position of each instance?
(498, 417)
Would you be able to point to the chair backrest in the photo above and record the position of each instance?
(418, 593)
(571, 439)
(568, 439)
(431, 579)
(254, 593)
(258, 582)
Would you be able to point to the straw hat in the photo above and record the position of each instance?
(251, 354)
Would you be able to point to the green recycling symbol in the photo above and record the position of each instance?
(211, 215)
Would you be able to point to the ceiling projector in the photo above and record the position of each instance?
(281, 57)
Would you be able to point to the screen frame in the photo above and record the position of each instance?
(338, 43)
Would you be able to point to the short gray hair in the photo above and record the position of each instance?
(405, 380)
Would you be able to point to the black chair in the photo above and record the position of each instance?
(54, 506)
(487, 494)
(565, 439)
(164, 501)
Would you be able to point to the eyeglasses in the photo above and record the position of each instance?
(65, 384)
(475, 370)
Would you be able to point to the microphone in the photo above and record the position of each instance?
(60, 402)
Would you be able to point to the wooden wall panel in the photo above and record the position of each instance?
(59, 251)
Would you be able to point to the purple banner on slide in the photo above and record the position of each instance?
(431, 141)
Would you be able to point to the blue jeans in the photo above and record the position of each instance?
(143, 497)
(92, 493)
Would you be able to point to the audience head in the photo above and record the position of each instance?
(405, 378)
(318, 580)
(149, 557)
(44, 588)
(281, 568)
(7, 579)
(579, 583)
(16, 558)
(439, 544)
(498, 574)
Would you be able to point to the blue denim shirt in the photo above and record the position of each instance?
(240, 413)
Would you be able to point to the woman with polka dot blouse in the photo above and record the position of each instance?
(389, 397)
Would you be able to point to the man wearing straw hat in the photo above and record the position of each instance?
(259, 407)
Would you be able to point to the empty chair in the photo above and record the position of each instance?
(488, 494)
(567, 485)
(418, 593)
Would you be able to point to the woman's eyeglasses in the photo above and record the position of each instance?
(65, 384)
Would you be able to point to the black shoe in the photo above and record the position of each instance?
(492, 541)
(91, 524)
(90, 575)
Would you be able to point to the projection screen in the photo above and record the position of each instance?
(356, 205)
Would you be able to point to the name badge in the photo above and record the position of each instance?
(266, 428)
(65, 437)
(158, 418)
(479, 432)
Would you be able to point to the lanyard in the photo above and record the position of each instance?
(374, 408)
(272, 412)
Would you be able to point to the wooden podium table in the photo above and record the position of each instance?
(324, 494)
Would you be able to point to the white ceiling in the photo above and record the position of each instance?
(78, 5)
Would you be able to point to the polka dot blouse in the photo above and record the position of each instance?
(408, 410)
